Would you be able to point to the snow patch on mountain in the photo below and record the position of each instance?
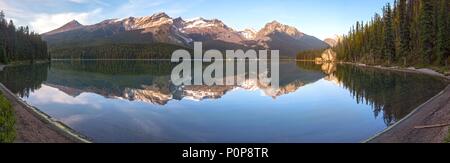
(203, 23)
(248, 34)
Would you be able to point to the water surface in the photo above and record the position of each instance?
(134, 101)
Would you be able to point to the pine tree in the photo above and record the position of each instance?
(427, 31)
(404, 30)
(413, 32)
(3, 58)
(389, 43)
(19, 44)
(442, 44)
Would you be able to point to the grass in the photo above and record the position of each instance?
(7, 121)
(447, 139)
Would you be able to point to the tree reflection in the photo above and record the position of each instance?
(22, 80)
(391, 93)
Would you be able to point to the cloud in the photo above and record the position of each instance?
(78, 1)
(47, 22)
(10, 10)
(98, 2)
(52, 95)
(53, 14)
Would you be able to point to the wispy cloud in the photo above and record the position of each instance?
(51, 14)
(47, 22)
(78, 1)
(12, 12)
(98, 2)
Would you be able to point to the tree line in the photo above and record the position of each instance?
(310, 55)
(410, 32)
(19, 44)
(117, 51)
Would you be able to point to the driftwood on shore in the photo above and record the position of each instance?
(432, 126)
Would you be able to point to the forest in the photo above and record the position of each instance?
(117, 51)
(19, 44)
(310, 55)
(408, 33)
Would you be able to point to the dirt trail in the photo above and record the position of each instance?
(32, 127)
(435, 111)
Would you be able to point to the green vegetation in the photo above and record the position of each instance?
(410, 33)
(110, 75)
(388, 92)
(447, 140)
(20, 44)
(116, 51)
(310, 55)
(116, 67)
(7, 121)
(24, 79)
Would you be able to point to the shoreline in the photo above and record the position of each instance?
(434, 111)
(34, 126)
(425, 71)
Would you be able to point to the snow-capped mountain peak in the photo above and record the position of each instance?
(155, 20)
(248, 34)
(276, 26)
(203, 23)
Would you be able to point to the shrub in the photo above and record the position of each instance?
(7, 121)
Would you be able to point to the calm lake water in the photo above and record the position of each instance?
(134, 101)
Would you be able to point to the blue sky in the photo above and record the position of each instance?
(321, 18)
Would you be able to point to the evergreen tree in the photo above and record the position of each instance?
(404, 30)
(19, 44)
(427, 31)
(443, 45)
(3, 58)
(389, 43)
(410, 32)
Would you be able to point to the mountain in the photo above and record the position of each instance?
(287, 39)
(331, 42)
(161, 28)
(214, 34)
(248, 34)
(158, 28)
(275, 26)
(67, 27)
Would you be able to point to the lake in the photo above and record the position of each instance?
(135, 101)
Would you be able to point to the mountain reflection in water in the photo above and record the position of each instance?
(390, 94)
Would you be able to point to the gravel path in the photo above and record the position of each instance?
(34, 127)
(435, 111)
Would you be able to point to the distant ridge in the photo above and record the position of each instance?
(161, 28)
(72, 25)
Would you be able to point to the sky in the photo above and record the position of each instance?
(320, 18)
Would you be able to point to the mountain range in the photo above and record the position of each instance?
(161, 28)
